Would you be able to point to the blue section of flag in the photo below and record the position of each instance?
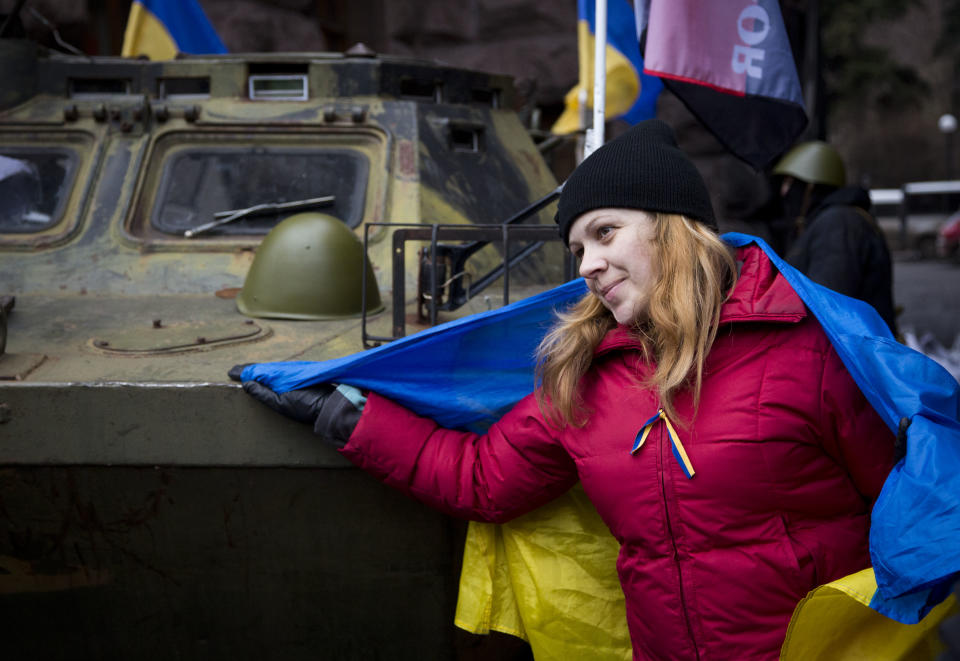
(187, 24)
(460, 375)
(622, 35)
(457, 373)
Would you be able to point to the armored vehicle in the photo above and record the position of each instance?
(161, 222)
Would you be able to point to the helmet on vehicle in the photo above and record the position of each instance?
(814, 162)
(310, 266)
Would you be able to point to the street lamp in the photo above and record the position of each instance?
(948, 126)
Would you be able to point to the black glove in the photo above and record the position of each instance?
(333, 415)
(236, 372)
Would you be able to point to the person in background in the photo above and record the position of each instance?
(831, 236)
(699, 403)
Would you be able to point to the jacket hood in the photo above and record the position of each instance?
(760, 294)
(850, 195)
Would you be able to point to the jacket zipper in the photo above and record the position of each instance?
(665, 457)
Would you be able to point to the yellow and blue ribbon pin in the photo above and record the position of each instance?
(676, 445)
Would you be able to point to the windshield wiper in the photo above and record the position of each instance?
(224, 217)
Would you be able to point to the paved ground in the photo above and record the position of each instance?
(929, 292)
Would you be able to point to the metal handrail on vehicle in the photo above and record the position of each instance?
(457, 294)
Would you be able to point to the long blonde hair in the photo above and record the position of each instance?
(697, 270)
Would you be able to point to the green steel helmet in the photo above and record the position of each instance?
(814, 162)
(310, 266)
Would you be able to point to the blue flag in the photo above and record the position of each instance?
(459, 375)
(456, 373)
(631, 94)
(160, 29)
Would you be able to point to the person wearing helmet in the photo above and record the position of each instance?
(835, 241)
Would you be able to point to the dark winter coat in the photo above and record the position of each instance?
(842, 247)
(787, 453)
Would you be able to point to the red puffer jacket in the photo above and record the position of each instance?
(788, 458)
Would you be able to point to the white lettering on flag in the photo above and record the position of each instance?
(748, 59)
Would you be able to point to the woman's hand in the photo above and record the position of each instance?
(333, 410)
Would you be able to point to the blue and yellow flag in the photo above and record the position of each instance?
(160, 29)
(631, 95)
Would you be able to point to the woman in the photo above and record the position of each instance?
(701, 406)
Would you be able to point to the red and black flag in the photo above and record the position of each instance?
(730, 63)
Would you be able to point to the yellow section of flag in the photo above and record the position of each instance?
(623, 83)
(835, 622)
(550, 578)
(147, 35)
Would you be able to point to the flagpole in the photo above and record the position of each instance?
(595, 134)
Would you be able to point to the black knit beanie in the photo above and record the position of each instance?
(642, 169)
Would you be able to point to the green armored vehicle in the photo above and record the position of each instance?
(149, 509)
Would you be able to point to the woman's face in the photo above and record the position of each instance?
(618, 259)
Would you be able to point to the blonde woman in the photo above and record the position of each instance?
(702, 407)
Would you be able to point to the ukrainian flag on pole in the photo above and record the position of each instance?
(161, 29)
(630, 95)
